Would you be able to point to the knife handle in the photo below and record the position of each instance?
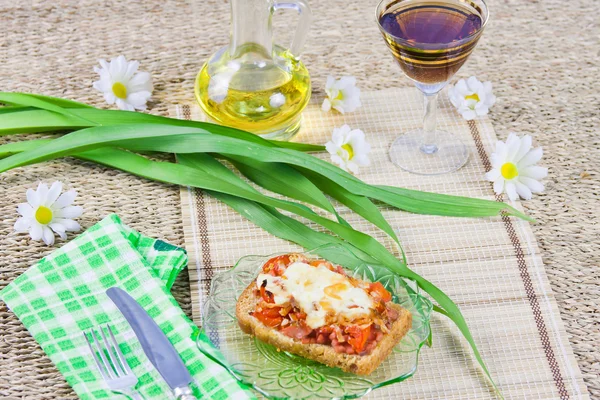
(184, 393)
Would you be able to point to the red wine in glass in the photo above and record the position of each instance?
(430, 40)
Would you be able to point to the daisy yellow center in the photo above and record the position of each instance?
(119, 90)
(349, 149)
(473, 96)
(43, 215)
(509, 171)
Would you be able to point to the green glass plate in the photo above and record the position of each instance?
(281, 375)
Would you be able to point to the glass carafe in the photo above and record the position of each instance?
(253, 84)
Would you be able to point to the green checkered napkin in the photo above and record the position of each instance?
(64, 294)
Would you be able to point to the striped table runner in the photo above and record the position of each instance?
(491, 267)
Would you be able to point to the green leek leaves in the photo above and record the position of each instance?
(113, 138)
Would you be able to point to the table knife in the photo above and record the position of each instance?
(155, 344)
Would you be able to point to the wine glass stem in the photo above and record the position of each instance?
(428, 143)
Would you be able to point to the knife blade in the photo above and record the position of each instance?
(155, 344)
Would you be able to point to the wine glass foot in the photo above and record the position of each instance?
(448, 154)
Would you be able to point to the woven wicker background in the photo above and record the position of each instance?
(542, 57)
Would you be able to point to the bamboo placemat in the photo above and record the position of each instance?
(491, 267)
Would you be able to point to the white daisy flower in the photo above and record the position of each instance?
(471, 97)
(47, 211)
(121, 83)
(348, 148)
(342, 94)
(514, 170)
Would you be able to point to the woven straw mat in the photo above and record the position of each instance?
(491, 267)
(540, 55)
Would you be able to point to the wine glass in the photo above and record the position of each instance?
(430, 40)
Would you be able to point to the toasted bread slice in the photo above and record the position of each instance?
(325, 354)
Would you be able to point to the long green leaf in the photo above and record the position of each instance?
(209, 165)
(442, 202)
(32, 119)
(58, 101)
(191, 140)
(296, 231)
(290, 229)
(359, 204)
(19, 147)
(408, 200)
(23, 99)
(12, 109)
(283, 179)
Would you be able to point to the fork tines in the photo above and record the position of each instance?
(113, 366)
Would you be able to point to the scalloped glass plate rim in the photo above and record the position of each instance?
(412, 289)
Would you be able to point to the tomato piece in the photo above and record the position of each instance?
(268, 321)
(266, 295)
(300, 315)
(276, 266)
(358, 337)
(269, 316)
(378, 290)
(272, 312)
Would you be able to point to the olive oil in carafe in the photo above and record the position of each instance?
(255, 96)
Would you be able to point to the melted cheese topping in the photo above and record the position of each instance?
(317, 291)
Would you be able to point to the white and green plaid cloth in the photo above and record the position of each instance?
(64, 294)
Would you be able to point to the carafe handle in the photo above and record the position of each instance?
(301, 6)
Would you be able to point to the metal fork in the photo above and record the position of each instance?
(116, 372)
